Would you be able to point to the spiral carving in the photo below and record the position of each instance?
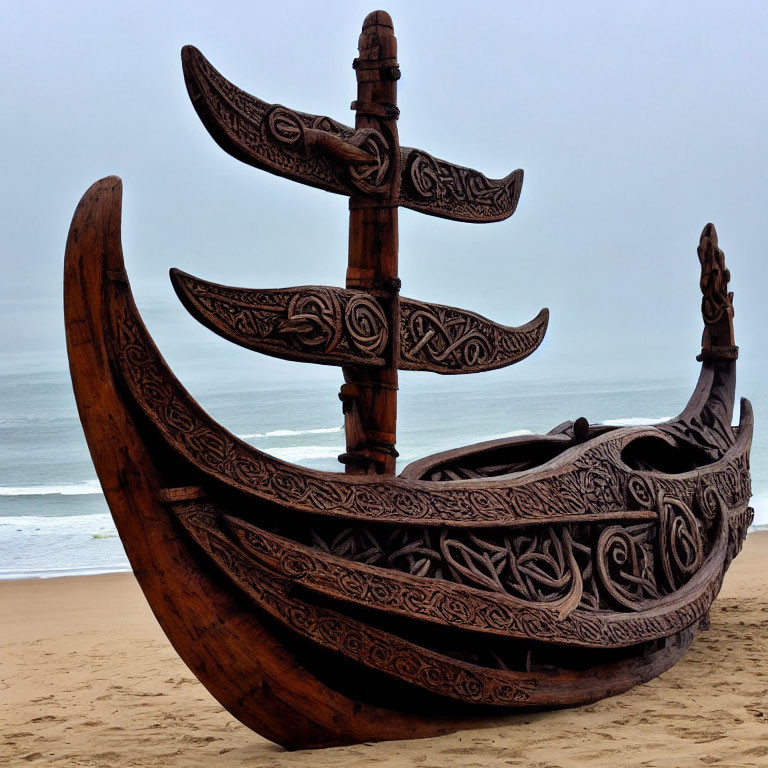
(681, 546)
(625, 564)
(424, 175)
(366, 324)
(312, 319)
(286, 127)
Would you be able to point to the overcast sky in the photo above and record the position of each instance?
(636, 124)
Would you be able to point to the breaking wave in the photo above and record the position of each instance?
(63, 489)
(636, 421)
(290, 433)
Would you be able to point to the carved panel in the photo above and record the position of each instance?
(439, 188)
(449, 340)
(334, 326)
(236, 120)
(546, 570)
(316, 324)
(360, 642)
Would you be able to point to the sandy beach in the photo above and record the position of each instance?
(88, 679)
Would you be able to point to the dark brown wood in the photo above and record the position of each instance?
(585, 481)
(332, 326)
(370, 395)
(231, 649)
(329, 608)
(646, 580)
(324, 153)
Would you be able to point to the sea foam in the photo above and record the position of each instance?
(63, 489)
(290, 433)
(636, 421)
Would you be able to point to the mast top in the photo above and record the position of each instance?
(378, 19)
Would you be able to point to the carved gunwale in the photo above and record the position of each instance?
(515, 500)
(318, 151)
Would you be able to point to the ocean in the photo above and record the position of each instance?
(54, 520)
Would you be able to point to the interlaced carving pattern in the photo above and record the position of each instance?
(275, 138)
(313, 323)
(444, 339)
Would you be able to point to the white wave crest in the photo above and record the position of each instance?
(513, 433)
(97, 524)
(290, 433)
(635, 421)
(299, 453)
(63, 489)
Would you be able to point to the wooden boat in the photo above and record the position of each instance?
(330, 608)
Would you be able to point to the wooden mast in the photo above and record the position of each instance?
(370, 395)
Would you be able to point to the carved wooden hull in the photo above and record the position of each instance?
(322, 608)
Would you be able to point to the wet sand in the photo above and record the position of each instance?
(87, 679)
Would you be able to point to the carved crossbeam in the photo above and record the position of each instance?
(324, 153)
(334, 326)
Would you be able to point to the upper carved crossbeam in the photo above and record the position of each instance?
(324, 153)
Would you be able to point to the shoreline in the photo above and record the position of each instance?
(89, 680)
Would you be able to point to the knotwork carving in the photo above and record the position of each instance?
(336, 326)
(332, 326)
(371, 175)
(680, 541)
(537, 566)
(708, 426)
(324, 153)
(625, 562)
(435, 186)
(312, 320)
(449, 340)
(317, 324)
(346, 573)
(364, 644)
(364, 155)
(638, 564)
